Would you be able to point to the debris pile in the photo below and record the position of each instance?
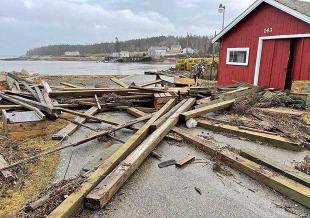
(30, 106)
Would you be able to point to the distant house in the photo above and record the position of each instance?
(175, 48)
(157, 52)
(122, 54)
(72, 53)
(188, 51)
(267, 45)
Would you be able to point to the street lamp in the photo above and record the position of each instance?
(222, 10)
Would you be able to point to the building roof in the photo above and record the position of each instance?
(296, 8)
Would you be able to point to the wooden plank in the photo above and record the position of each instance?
(146, 109)
(46, 90)
(71, 127)
(289, 172)
(90, 93)
(288, 187)
(238, 90)
(25, 105)
(119, 82)
(153, 90)
(70, 85)
(104, 191)
(33, 93)
(74, 203)
(5, 173)
(10, 107)
(91, 117)
(274, 140)
(97, 101)
(204, 110)
(185, 160)
(135, 112)
(163, 118)
(40, 95)
(150, 83)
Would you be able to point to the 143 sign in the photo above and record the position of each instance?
(268, 30)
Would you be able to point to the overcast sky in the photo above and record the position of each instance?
(26, 24)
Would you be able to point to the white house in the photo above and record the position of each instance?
(72, 53)
(124, 54)
(176, 48)
(157, 52)
(188, 51)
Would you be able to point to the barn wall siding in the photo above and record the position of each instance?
(247, 33)
(301, 66)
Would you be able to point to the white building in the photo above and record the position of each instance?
(188, 51)
(157, 52)
(176, 48)
(122, 54)
(72, 53)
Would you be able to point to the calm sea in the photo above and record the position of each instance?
(82, 67)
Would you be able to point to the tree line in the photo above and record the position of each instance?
(200, 43)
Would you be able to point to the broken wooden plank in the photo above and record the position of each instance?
(71, 127)
(153, 90)
(186, 160)
(10, 107)
(74, 203)
(91, 92)
(119, 82)
(46, 90)
(97, 102)
(204, 110)
(150, 83)
(6, 173)
(25, 105)
(289, 172)
(103, 192)
(70, 85)
(40, 95)
(135, 112)
(288, 187)
(274, 140)
(33, 93)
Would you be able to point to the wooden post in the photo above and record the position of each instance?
(100, 196)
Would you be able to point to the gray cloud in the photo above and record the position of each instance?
(26, 24)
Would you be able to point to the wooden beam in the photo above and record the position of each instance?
(10, 107)
(97, 102)
(91, 92)
(71, 127)
(70, 85)
(119, 82)
(150, 83)
(289, 172)
(275, 140)
(25, 105)
(148, 89)
(46, 90)
(135, 112)
(91, 117)
(74, 203)
(288, 187)
(40, 95)
(33, 93)
(163, 118)
(204, 110)
(104, 191)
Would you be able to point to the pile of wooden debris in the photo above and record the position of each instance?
(242, 110)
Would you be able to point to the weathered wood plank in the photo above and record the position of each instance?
(6, 173)
(288, 187)
(71, 127)
(204, 110)
(150, 83)
(70, 85)
(119, 82)
(135, 112)
(103, 192)
(74, 203)
(275, 140)
(289, 172)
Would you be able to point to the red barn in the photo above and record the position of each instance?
(268, 44)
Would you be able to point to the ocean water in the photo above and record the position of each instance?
(82, 67)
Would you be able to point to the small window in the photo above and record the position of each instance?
(237, 56)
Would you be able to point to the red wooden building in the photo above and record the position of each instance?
(268, 44)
